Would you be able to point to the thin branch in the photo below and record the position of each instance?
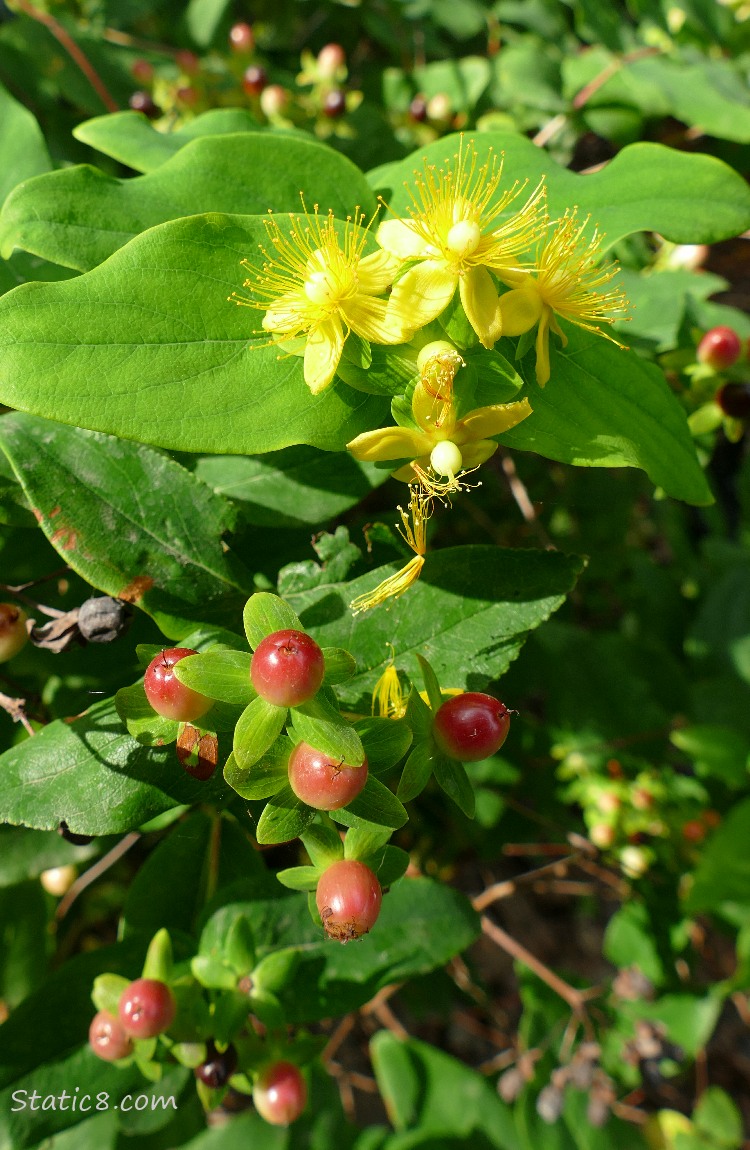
(16, 708)
(94, 872)
(588, 90)
(66, 41)
(500, 890)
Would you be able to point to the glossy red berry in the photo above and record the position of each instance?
(146, 1008)
(471, 727)
(334, 104)
(254, 80)
(13, 633)
(322, 782)
(107, 1037)
(241, 38)
(142, 102)
(719, 348)
(734, 400)
(217, 1068)
(166, 694)
(280, 1093)
(287, 668)
(348, 899)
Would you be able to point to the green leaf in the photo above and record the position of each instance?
(389, 864)
(679, 187)
(604, 407)
(125, 518)
(431, 684)
(363, 841)
(24, 854)
(275, 970)
(220, 674)
(22, 145)
(302, 878)
(148, 347)
(340, 665)
(107, 991)
(296, 487)
(418, 770)
(141, 719)
(257, 730)
(375, 804)
(717, 752)
(469, 614)
(452, 777)
(722, 877)
(385, 741)
(419, 716)
(158, 962)
(318, 723)
(718, 1118)
(265, 613)
(323, 845)
(284, 818)
(91, 773)
(78, 216)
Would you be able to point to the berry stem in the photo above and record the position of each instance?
(66, 41)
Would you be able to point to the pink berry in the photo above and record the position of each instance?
(188, 62)
(287, 668)
(280, 1093)
(734, 400)
(241, 38)
(719, 348)
(254, 80)
(142, 71)
(13, 633)
(107, 1037)
(167, 695)
(187, 95)
(348, 898)
(322, 782)
(330, 59)
(147, 1008)
(273, 100)
(471, 727)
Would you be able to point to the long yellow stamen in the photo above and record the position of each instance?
(414, 531)
(388, 696)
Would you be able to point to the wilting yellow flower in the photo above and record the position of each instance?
(315, 287)
(567, 282)
(414, 531)
(388, 696)
(455, 237)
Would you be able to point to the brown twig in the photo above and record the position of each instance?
(340, 1035)
(16, 708)
(66, 41)
(94, 872)
(500, 890)
(522, 497)
(378, 1008)
(587, 91)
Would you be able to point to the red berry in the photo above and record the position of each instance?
(719, 348)
(241, 38)
(418, 109)
(107, 1037)
(142, 71)
(734, 400)
(280, 1093)
(187, 95)
(471, 727)
(147, 1008)
(287, 668)
(254, 80)
(348, 899)
(166, 694)
(13, 633)
(694, 831)
(218, 1068)
(330, 59)
(188, 62)
(323, 782)
(334, 104)
(142, 102)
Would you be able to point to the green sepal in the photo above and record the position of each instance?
(209, 1099)
(362, 842)
(284, 817)
(375, 804)
(193, 1018)
(265, 613)
(416, 774)
(158, 961)
(258, 728)
(275, 971)
(212, 973)
(389, 864)
(190, 1054)
(302, 878)
(147, 652)
(266, 1006)
(239, 945)
(434, 694)
(386, 741)
(230, 1015)
(263, 779)
(312, 906)
(153, 1071)
(340, 665)
(140, 718)
(107, 991)
(318, 723)
(220, 674)
(418, 716)
(323, 845)
(452, 777)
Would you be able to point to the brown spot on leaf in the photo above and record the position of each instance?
(55, 511)
(64, 539)
(37, 514)
(136, 589)
(198, 753)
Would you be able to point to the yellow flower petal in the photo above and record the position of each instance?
(479, 452)
(322, 354)
(375, 273)
(283, 314)
(400, 238)
(520, 309)
(371, 319)
(479, 298)
(488, 421)
(407, 474)
(389, 443)
(422, 294)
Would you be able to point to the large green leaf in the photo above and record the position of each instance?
(22, 147)
(90, 773)
(722, 878)
(646, 187)
(24, 854)
(604, 407)
(469, 615)
(132, 522)
(148, 347)
(78, 216)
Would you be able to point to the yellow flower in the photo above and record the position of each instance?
(567, 282)
(455, 237)
(319, 286)
(415, 534)
(388, 696)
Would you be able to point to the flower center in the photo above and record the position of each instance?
(325, 284)
(463, 238)
(446, 459)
